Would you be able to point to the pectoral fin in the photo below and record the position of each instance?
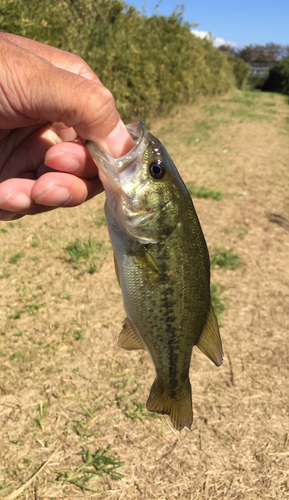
(116, 268)
(149, 269)
(128, 338)
(210, 341)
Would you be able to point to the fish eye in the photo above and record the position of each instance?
(157, 170)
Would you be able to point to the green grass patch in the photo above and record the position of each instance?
(99, 220)
(86, 255)
(95, 466)
(4, 275)
(18, 356)
(35, 241)
(138, 411)
(204, 192)
(15, 257)
(218, 302)
(225, 258)
(31, 308)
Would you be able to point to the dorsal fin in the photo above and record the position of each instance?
(128, 338)
(210, 341)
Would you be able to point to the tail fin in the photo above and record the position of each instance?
(177, 405)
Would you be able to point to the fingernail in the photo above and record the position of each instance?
(6, 216)
(53, 197)
(16, 200)
(118, 142)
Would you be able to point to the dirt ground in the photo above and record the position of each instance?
(68, 393)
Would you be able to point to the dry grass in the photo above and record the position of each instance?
(66, 389)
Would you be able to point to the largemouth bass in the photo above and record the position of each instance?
(163, 267)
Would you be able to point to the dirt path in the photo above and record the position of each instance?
(65, 387)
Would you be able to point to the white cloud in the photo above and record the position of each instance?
(201, 34)
(217, 42)
(221, 41)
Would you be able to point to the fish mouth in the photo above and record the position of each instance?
(111, 167)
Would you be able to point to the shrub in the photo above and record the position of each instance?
(149, 63)
(240, 70)
(278, 78)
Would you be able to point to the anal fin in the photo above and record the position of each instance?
(128, 338)
(210, 342)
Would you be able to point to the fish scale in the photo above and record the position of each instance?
(163, 267)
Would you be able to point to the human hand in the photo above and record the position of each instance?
(50, 103)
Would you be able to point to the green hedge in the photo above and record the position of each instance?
(149, 63)
(278, 77)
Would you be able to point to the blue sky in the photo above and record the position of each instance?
(238, 21)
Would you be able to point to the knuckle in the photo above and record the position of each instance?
(104, 104)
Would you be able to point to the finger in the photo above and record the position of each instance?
(52, 190)
(28, 155)
(57, 189)
(23, 157)
(71, 157)
(59, 58)
(15, 195)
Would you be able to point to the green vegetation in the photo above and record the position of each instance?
(138, 411)
(204, 192)
(218, 302)
(278, 77)
(96, 465)
(87, 255)
(225, 258)
(30, 308)
(16, 256)
(99, 220)
(241, 70)
(150, 64)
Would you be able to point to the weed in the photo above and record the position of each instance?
(219, 304)
(84, 254)
(17, 442)
(18, 356)
(78, 334)
(204, 192)
(242, 232)
(99, 220)
(16, 256)
(42, 411)
(225, 259)
(29, 308)
(95, 466)
(35, 241)
(4, 275)
(138, 412)
(3, 230)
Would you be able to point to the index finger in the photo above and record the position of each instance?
(58, 57)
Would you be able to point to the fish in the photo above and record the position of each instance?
(163, 268)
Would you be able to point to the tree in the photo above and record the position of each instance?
(268, 53)
(278, 78)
